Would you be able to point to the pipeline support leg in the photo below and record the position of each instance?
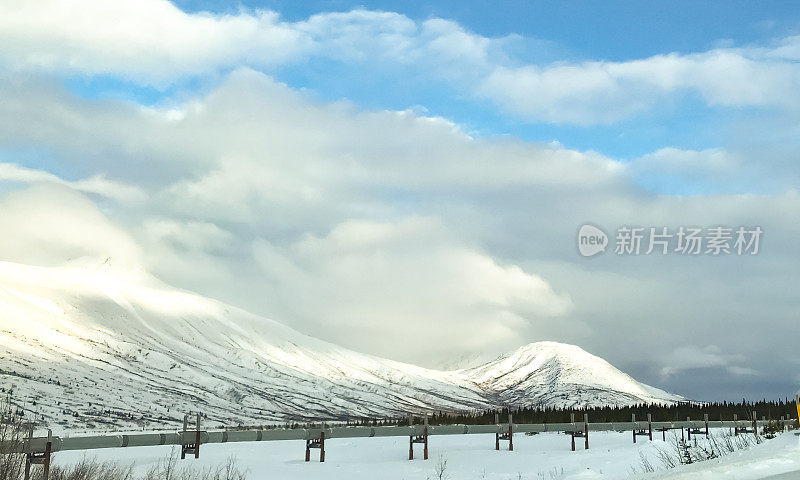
(425, 450)
(46, 465)
(586, 433)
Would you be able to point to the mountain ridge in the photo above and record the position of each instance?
(87, 348)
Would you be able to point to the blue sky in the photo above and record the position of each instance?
(550, 32)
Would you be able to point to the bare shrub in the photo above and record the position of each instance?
(440, 469)
(12, 431)
(555, 474)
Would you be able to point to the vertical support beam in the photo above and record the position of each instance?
(572, 432)
(683, 439)
(48, 449)
(735, 425)
(425, 436)
(411, 437)
(689, 429)
(650, 425)
(510, 432)
(705, 419)
(183, 436)
(755, 423)
(308, 450)
(322, 446)
(197, 438)
(28, 456)
(586, 430)
(633, 419)
(497, 435)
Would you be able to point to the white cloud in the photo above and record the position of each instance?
(154, 42)
(690, 357)
(97, 184)
(394, 282)
(322, 214)
(50, 225)
(605, 92)
(148, 40)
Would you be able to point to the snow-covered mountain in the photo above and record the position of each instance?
(551, 373)
(87, 348)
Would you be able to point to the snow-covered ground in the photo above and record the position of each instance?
(546, 456)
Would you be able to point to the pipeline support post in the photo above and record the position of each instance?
(48, 449)
(425, 435)
(510, 432)
(411, 438)
(316, 443)
(705, 419)
(586, 431)
(42, 459)
(423, 439)
(508, 435)
(28, 456)
(183, 436)
(322, 446)
(497, 434)
(186, 445)
(641, 431)
(582, 433)
(572, 433)
(197, 438)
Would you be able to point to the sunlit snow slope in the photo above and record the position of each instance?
(550, 373)
(87, 348)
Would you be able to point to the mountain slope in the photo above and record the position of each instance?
(557, 374)
(88, 348)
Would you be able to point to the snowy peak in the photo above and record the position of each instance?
(560, 374)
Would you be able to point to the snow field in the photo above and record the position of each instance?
(545, 456)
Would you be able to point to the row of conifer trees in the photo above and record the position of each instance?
(769, 409)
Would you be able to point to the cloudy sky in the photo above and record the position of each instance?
(408, 178)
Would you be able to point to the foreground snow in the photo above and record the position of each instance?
(546, 456)
(779, 457)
